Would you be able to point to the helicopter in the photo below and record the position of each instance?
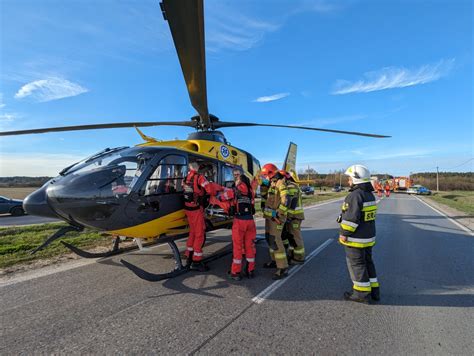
(137, 191)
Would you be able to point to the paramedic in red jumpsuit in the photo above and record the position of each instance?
(195, 188)
(244, 230)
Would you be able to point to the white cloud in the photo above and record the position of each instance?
(266, 99)
(8, 117)
(321, 122)
(321, 6)
(229, 29)
(50, 89)
(35, 164)
(393, 77)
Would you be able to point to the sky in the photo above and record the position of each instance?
(399, 68)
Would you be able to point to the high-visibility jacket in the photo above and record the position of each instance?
(277, 200)
(294, 201)
(357, 220)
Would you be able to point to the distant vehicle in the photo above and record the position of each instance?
(337, 188)
(11, 206)
(418, 189)
(402, 184)
(307, 190)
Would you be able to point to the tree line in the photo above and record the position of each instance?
(17, 182)
(447, 180)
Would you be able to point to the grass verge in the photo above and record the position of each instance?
(457, 199)
(17, 242)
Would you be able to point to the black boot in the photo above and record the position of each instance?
(350, 297)
(251, 274)
(375, 294)
(296, 262)
(198, 266)
(271, 264)
(280, 273)
(234, 276)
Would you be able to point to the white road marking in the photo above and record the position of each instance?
(469, 231)
(321, 204)
(263, 295)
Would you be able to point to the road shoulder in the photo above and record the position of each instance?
(460, 217)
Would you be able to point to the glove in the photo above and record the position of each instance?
(262, 205)
(274, 214)
(339, 219)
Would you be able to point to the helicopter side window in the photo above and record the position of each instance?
(227, 176)
(168, 176)
(207, 168)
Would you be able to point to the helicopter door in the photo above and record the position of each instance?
(162, 191)
(227, 176)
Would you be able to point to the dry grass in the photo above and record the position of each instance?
(17, 193)
(457, 199)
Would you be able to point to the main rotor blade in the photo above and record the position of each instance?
(186, 21)
(99, 126)
(220, 124)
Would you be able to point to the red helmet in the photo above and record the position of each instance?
(269, 170)
(284, 173)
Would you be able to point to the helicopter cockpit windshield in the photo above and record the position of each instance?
(108, 174)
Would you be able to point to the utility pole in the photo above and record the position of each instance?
(340, 178)
(437, 179)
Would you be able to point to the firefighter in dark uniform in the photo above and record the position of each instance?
(291, 236)
(357, 234)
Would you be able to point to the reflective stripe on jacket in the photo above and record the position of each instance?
(294, 201)
(358, 217)
(276, 199)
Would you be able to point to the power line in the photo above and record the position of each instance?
(462, 164)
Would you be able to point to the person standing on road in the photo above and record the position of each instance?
(357, 234)
(387, 189)
(195, 188)
(291, 236)
(275, 214)
(244, 230)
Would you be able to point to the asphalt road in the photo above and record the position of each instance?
(425, 265)
(9, 220)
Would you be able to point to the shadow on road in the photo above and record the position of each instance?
(413, 269)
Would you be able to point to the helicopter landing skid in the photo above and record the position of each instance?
(58, 234)
(179, 269)
(114, 251)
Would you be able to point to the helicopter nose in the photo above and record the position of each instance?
(37, 204)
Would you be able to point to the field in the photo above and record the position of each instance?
(457, 199)
(17, 193)
(17, 242)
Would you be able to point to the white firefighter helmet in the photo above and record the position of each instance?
(359, 174)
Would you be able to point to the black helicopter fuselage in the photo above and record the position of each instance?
(137, 191)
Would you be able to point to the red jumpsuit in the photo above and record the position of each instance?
(378, 188)
(196, 185)
(387, 190)
(244, 231)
